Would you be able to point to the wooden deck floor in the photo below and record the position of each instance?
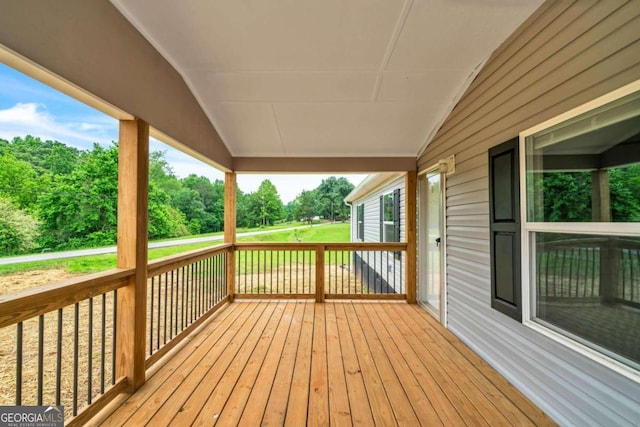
(338, 363)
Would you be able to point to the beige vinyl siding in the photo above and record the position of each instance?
(566, 54)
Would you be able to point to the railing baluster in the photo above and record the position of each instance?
(40, 356)
(59, 359)
(19, 364)
(115, 332)
(90, 353)
(102, 341)
(166, 299)
(76, 344)
(151, 316)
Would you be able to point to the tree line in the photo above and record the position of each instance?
(54, 197)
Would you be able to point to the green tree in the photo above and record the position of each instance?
(45, 156)
(18, 229)
(330, 195)
(18, 181)
(265, 206)
(305, 206)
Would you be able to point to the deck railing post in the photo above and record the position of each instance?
(411, 235)
(230, 189)
(133, 187)
(319, 273)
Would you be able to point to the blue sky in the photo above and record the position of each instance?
(28, 107)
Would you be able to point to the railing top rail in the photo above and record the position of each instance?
(172, 262)
(29, 303)
(353, 246)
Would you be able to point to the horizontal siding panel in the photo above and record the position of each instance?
(463, 199)
(479, 269)
(467, 254)
(460, 282)
(470, 209)
(479, 220)
(481, 172)
(469, 232)
(468, 187)
(480, 245)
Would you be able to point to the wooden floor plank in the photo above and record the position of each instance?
(380, 405)
(249, 358)
(229, 412)
(339, 410)
(338, 363)
(318, 413)
(361, 414)
(299, 397)
(176, 368)
(272, 386)
(276, 409)
(402, 408)
(191, 395)
(257, 376)
(424, 410)
(447, 380)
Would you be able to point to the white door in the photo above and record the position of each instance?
(431, 292)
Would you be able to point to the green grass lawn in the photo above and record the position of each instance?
(338, 232)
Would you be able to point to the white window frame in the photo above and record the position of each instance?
(529, 228)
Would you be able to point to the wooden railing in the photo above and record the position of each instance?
(64, 351)
(63, 348)
(320, 270)
(183, 291)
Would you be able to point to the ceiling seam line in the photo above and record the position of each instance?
(402, 19)
(275, 119)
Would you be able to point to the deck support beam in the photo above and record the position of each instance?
(230, 192)
(133, 189)
(410, 232)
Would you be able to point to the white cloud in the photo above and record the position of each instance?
(33, 119)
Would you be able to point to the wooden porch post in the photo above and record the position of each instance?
(133, 188)
(230, 189)
(410, 206)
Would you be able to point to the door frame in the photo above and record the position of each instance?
(444, 168)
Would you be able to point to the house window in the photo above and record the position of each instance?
(390, 217)
(582, 226)
(360, 220)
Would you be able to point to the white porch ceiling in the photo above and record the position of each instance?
(330, 78)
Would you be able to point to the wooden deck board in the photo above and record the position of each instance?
(335, 363)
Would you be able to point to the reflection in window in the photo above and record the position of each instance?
(589, 286)
(585, 172)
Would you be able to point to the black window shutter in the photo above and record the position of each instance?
(504, 228)
(381, 218)
(361, 222)
(396, 215)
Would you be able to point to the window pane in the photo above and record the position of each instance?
(388, 207)
(587, 169)
(588, 287)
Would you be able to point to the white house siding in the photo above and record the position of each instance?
(566, 54)
(372, 227)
